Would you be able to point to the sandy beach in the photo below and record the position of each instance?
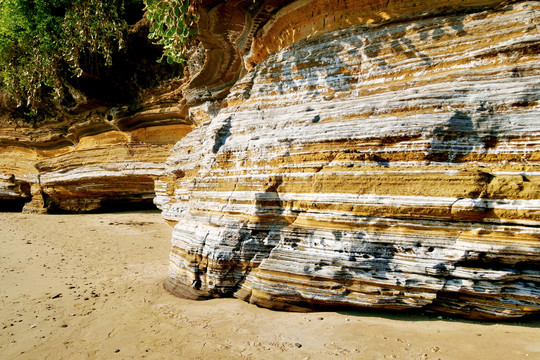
(90, 287)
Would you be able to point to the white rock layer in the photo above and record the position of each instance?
(389, 167)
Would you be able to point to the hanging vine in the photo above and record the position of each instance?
(174, 22)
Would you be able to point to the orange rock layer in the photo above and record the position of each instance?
(100, 159)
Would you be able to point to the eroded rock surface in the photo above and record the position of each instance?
(104, 145)
(101, 158)
(386, 160)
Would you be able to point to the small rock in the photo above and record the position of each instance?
(298, 345)
(64, 325)
(320, 318)
(57, 296)
(33, 326)
(117, 350)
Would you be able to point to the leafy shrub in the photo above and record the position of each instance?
(173, 24)
(42, 43)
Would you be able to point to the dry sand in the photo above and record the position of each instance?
(90, 287)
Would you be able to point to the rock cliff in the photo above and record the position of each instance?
(368, 153)
(101, 158)
(107, 147)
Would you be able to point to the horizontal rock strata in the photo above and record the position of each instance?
(110, 158)
(389, 165)
(103, 146)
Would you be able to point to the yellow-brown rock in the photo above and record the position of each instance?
(103, 158)
(104, 142)
(377, 154)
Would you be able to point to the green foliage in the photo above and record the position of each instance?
(42, 42)
(173, 24)
(23, 53)
(93, 26)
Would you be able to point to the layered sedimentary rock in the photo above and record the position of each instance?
(102, 158)
(370, 154)
(102, 145)
(15, 189)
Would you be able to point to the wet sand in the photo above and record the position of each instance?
(90, 287)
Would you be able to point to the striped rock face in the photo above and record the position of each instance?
(102, 158)
(394, 166)
(103, 144)
(116, 166)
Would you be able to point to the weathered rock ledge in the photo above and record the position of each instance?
(104, 144)
(98, 158)
(379, 154)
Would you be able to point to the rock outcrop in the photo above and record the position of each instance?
(378, 154)
(103, 146)
(100, 158)
(104, 142)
